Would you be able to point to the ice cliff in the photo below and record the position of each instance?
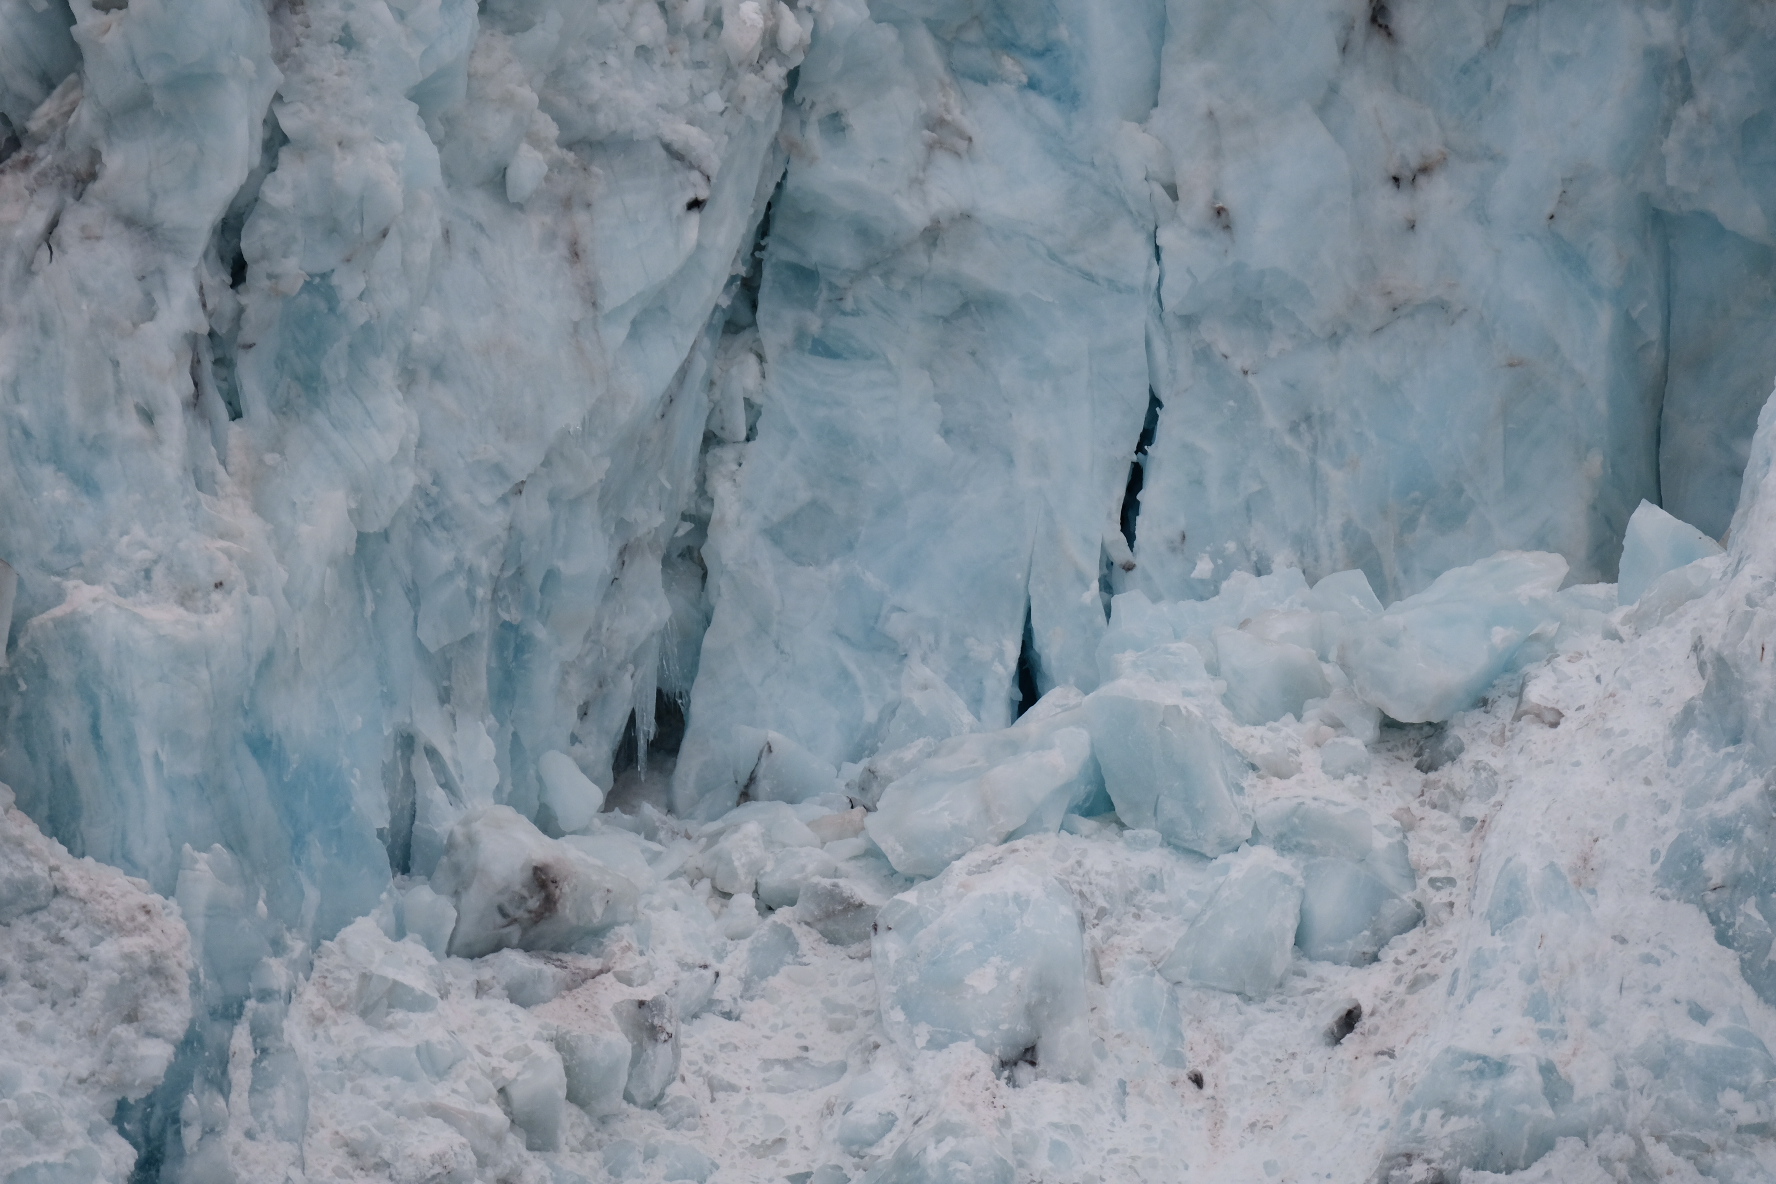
(926, 590)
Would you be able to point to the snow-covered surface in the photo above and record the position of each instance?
(94, 998)
(737, 590)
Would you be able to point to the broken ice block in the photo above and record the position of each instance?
(1244, 937)
(568, 792)
(1267, 680)
(1165, 764)
(1358, 881)
(982, 789)
(1655, 544)
(994, 954)
(1434, 654)
(514, 886)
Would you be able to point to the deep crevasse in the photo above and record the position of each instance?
(381, 379)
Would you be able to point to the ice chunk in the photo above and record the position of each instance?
(596, 1066)
(1493, 1113)
(989, 953)
(1358, 880)
(534, 1097)
(652, 1028)
(1431, 655)
(514, 886)
(1267, 680)
(1144, 1008)
(1655, 544)
(1244, 937)
(1165, 763)
(1137, 623)
(981, 789)
(569, 793)
(1344, 756)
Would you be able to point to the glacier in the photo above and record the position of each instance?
(886, 590)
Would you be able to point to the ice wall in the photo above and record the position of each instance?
(354, 378)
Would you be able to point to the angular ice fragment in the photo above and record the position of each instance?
(1655, 544)
(514, 886)
(428, 918)
(1165, 764)
(780, 883)
(1137, 624)
(1496, 1114)
(1244, 937)
(1673, 590)
(982, 789)
(750, 763)
(1358, 880)
(596, 1065)
(1267, 680)
(1434, 654)
(1344, 756)
(572, 795)
(992, 954)
(841, 911)
(1144, 1008)
(947, 1152)
(535, 1097)
(652, 1028)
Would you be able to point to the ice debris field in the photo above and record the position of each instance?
(887, 592)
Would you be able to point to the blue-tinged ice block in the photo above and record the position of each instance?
(1137, 622)
(1657, 543)
(982, 789)
(1267, 679)
(1166, 765)
(512, 885)
(1245, 935)
(992, 952)
(1358, 881)
(1491, 1113)
(1433, 654)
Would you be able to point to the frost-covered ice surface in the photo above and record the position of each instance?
(737, 590)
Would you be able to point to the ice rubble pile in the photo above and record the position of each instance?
(94, 998)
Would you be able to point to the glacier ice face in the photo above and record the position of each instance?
(411, 408)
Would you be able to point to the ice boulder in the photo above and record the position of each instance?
(1138, 624)
(571, 795)
(946, 1152)
(984, 788)
(1357, 879)
(1433, 654)
(1470, 1110)
(1655, 544)
(1165, 763)
(992, 951)
(1244, 937)
(1268, 679)
(513, 886)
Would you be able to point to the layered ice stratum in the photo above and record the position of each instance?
(910, 592)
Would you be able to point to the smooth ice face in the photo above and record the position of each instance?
(992, 954)
(1655, 544)
(1244, 937)
(1268, 679)
(1166, 764)
(1433, 654)
(983, 789)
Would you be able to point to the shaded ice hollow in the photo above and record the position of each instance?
(851, 591)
